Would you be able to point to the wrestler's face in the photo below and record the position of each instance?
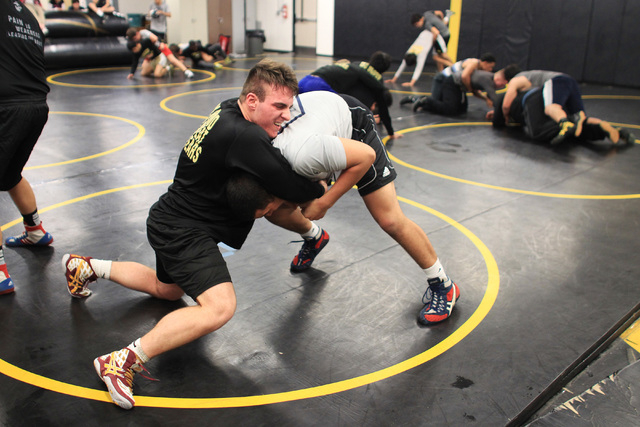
(498, 80)
(273, 110)
(270, 208)
(487, 66)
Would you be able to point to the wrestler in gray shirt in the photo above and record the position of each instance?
(431, 20)
(538, 77)
(483, 80)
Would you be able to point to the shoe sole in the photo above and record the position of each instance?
(8, 285)
(17, 243)
(115, 396)
(85, 292)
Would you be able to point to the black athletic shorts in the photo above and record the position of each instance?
(382, 171)
(20, 128)
(564, 91)
(188, 257)
(440, 48)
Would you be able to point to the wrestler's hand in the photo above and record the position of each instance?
(315, 209)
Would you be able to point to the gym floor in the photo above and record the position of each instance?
(541, 241)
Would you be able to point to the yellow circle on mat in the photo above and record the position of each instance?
(52, 79)
(496, 187)
(140, 128)
(163, 103)
(491, 293)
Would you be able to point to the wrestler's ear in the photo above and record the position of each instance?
(251, 100)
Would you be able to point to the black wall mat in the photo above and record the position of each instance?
(472, 32)
(626, 71)
(604, 32)
(365, 26)
(561, 36)
(592, 40)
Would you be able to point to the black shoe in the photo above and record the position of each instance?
(310, 249)
(627, 136)
(419, 104)
(567, 129)
(408, 100)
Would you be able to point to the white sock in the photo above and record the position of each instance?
(313, 233)
(137, 349)
(437, 271)
(101, 267)
(36, 219)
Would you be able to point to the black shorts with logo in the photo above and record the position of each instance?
(382, 171)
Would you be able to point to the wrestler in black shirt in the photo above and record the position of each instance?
(224, 142)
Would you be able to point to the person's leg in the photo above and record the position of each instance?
(215, 307)
(160, 70)
(556, 112)
(23, 197)
(290, 218)
(147, 68)
(442, 293)
(33, 119)
(215, 51)
(596, 129)
(139, 277)
(573, 103)
(442, 61)
(385, 209)
(556, 92)
(176, 62)
(81, 271)
(420, 101)
(34, 234)
(206, 57)
(436, 86)
(449, 103)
